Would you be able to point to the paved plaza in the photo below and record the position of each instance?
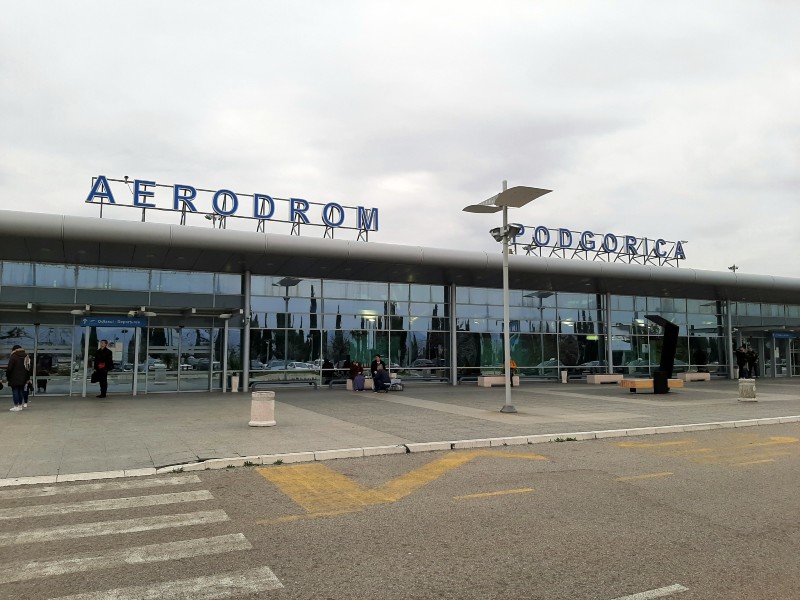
(68, 435)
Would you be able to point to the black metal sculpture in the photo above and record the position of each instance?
(668, 348)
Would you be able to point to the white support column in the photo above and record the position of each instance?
(225, 357)
(729, 337)
(136, 337)
(86, 331)
(246, 337)
(609, 345)
(451, 323)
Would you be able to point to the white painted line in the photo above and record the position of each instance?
(82, 530)
(80, 563)
(215, 587)
(659, 593)
(94, 505)
(108, 486)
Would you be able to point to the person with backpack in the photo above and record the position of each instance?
(18, 375)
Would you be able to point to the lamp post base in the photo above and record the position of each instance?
(508, 408)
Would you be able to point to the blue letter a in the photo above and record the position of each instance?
(101, 192)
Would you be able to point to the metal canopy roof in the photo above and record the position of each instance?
(34, 237)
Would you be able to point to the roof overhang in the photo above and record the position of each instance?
(33, 237)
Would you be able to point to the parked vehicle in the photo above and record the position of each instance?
(593, 366)
(152, 364)
(547, 368)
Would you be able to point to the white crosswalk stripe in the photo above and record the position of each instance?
(97, 505)
(106, 486)
(65, 532)
(29, 570)
(153, 553)
(214, 587)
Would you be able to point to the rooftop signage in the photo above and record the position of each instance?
(588, 245)
(219, 205)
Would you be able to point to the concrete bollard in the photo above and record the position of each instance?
(262, 409)
(747, 390)
(564, 376)
(234, 383)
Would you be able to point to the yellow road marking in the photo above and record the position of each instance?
(731, 452)
(646, 476)
(489, 494)
(319, 515)
(775, 441)
(319, 489)
(653, 444)
(754, 462)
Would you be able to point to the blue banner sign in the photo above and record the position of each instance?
(113, 322)
(224, 203)
(783, 335)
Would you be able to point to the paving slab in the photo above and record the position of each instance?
(69, 435)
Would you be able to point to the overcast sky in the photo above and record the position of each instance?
(675, 120)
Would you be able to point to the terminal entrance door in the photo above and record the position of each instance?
(170, 359)
(777, 357)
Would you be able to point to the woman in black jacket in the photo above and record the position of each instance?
(18, 374)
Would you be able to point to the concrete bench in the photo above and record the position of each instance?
(694, 376)
(368, 382)
(646, 384)
(604, 378)
(490, 380)
(256, 386)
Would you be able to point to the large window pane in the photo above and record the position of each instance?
(20, 274)
(96, 278)
(55, 276)
(181, 281)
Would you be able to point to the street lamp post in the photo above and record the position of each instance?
(286, 283)
(515, 197)
(541, 296)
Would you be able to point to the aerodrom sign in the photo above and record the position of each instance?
(588, 245)
(218, 205)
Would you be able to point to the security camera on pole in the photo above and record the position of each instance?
(516, 197)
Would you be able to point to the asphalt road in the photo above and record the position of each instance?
(706, 515)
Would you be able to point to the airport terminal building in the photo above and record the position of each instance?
(188, 308)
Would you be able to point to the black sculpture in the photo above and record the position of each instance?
(668, 348)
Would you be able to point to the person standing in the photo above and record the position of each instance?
(18, 376)
(741, 362)
(373, 368)
(752, 362)
(103, 363)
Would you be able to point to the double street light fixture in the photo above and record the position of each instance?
(516, 197)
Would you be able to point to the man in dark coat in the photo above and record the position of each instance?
(741, 362)
(18, 374)
(381, 381)
(373, 368)
(103, 363)
(752, 362)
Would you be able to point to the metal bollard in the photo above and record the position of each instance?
(262, 409)
(747, 390)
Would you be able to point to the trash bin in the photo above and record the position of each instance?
(747, 390)
(660, 382)
(262, 409)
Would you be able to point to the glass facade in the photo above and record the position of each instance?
(312, 329)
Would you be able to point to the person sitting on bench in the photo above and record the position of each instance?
(381, 381)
